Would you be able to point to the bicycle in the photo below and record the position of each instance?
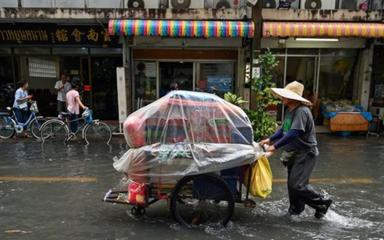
(57, 130)
(9, 125)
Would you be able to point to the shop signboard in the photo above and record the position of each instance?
(55, 34)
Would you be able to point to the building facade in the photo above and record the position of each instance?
(199, 45)
(332, 47)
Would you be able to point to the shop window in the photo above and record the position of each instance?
(104, 87)
(377, 86)
(145, 85)
(216, 78)
(336, 77)
(173, 74)
(41, 74)
(43, 68)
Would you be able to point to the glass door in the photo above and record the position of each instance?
(303, 70)
(145, 83)
(175, 75)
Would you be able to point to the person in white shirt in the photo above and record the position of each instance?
(62, 86)
(20, 104)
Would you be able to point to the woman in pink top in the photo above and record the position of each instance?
(73, 105)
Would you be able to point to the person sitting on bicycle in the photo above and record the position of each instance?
(73, 105)
(20, 105)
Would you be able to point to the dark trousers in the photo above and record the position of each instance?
(60, 106)
(299, 190)
(21, 115)
(74, 122)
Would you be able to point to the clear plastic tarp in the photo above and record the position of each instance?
(186, 133)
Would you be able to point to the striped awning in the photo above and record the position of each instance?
(323, 29)
(181, 28)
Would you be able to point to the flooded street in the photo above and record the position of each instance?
(55, 192)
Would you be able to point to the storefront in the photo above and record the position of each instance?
(206, 56)
(330, 59)
(38, 53)
(205, 70)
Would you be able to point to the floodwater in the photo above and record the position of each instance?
(55, 192)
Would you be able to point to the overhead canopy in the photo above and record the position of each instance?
(323, 29)
(181, 28)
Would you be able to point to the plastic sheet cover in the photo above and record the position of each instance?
(186, 133)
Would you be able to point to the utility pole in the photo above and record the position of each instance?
(256, 47)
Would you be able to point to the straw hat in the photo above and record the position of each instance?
(293, 91)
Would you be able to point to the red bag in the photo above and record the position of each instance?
(137, 193)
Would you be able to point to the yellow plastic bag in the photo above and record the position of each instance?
(261, 178)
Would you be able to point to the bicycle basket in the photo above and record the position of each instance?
(87, 115)
(33, 107)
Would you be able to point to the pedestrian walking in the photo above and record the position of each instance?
(73, 105)
(62, 86)
(297, 138)
(20, 104)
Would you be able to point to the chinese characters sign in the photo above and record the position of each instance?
(53, 34)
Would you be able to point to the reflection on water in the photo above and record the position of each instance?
(73, 210)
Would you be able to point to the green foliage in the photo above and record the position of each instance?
(234, 99)
(263, 124)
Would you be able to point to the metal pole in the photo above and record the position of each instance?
(284, 81)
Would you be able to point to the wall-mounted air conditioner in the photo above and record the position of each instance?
(318, 4)
(184, 4)
(270, 3)
(139, 4)
(281, 4)
(354, 4)
(375, 5)
(92, 3)
(218, 4)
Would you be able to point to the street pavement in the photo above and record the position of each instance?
(55, 191)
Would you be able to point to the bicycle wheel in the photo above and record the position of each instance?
(7, 127)
(35, 126)
(54, 131)
(97, 132)
(202, 199)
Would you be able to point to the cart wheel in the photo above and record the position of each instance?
(138, 211)
(202, 199)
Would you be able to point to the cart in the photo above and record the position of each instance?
(195, 199)
(195, 157)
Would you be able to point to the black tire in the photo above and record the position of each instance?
(202, 199)
(54, 130)
(35, 126)
(138, 211)
(97, 132)
(7, 127)
(180, 4)
(136, 4)
(313, 4)
(223, 4)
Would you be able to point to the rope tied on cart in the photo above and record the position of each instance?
(187, 133)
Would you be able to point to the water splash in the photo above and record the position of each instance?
(347, 222)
